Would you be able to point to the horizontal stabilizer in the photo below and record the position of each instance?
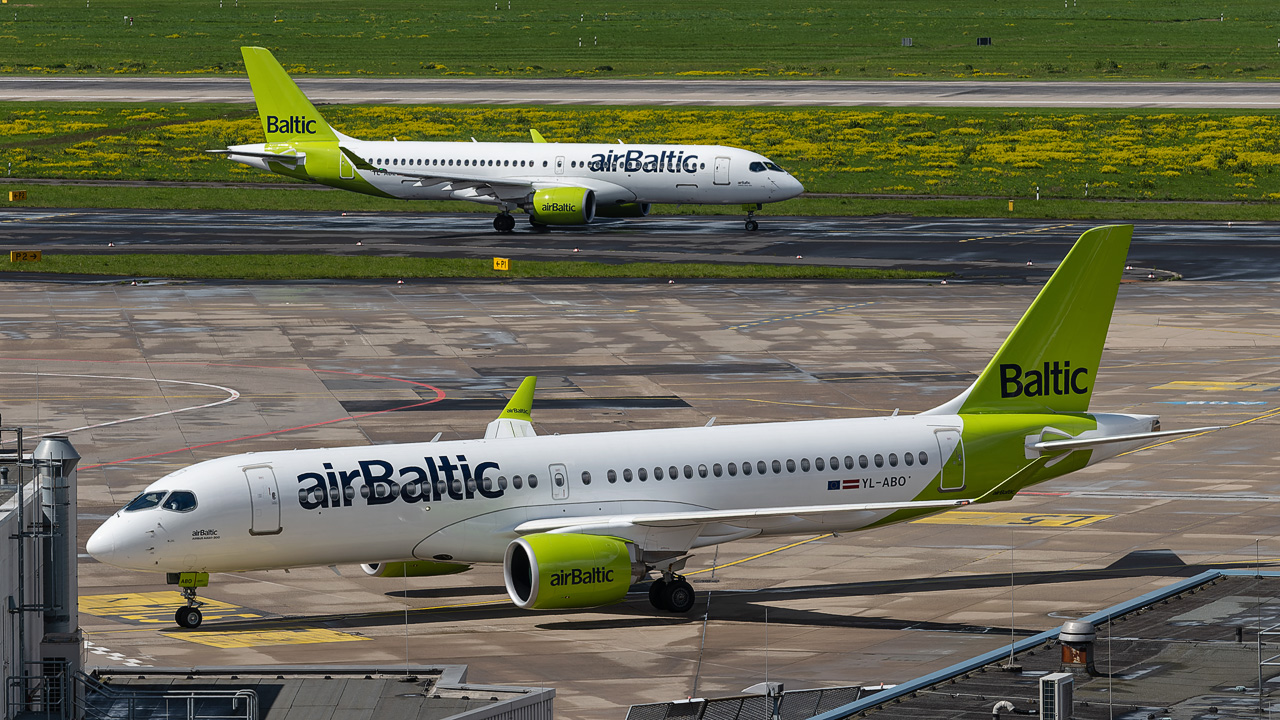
(1081, 443)
(300, 157)
(730, 517)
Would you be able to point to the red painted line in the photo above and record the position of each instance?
(440, 395)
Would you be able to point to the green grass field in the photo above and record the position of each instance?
(1220, 155)
(1167, 39)
(309, 267)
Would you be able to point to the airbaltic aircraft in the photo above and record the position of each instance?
(575, 520)
(554, 183)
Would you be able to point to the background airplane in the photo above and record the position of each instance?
(576, 520)
(554, 183)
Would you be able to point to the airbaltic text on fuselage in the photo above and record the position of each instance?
(294, 124)
(671, 161)
(377, 482)
(1055, 379)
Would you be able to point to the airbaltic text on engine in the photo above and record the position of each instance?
(636, 161)
(559, 207)
(291, 124)
(1054, 379)
(437, 479)
(581, 577)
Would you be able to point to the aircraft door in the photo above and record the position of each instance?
(559, 482)
(951, 455)
(346, 170)
(560, 165)
(722, 171)
(264, 499)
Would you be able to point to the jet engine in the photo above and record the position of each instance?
(548, 571)
(623, 210)
(415, 568)
(562, 206)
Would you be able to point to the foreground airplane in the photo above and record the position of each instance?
(575, 520)
(554, 183)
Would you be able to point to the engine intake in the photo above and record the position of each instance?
(623, 210)
(548, 571)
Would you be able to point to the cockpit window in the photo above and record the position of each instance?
(180, 501)
(774, 166)
(756, 167)
(146, 501)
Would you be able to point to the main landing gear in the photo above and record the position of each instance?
(752, 225)
(672, 592)
(504, 222)
(189, 615)
(674, 596)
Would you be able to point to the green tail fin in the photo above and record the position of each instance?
(287, 115)
(1050, 360)
(520, 407)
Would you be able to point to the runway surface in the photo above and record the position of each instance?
(977, 249)
(280, 366)
(838, 93)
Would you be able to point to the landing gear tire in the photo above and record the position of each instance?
(678, 596)
(188, 617)
(656, 591)
(504, 223)
(752, 226)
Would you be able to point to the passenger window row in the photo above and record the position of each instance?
(437, 162)
(761, 467)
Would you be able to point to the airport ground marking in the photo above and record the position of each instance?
(1219, 386)
(1009, 519)
(763, 554)
(1264, 416)
(1021, 232)
(116, 657)
(796, 316)
(156, 608)
(231, 639)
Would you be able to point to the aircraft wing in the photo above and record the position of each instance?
(498, 188)
(741, 518)
(459, 180)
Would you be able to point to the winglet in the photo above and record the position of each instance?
(516, 418)
(520, 407)
(537, 136)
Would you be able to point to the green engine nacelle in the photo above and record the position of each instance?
(562, 206)
(415, 568)
(549, 571)
(624, 210)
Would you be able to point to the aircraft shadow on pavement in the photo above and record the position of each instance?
(742, 605)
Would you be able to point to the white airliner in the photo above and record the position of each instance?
(576, 520)
(554, 183)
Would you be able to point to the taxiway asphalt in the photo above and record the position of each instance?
(977, 249)
(693, 92)
(883, 605)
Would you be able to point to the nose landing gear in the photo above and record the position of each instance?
(189, 615)
(752, 225)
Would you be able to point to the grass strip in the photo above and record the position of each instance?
(328, 267)
(296, 200)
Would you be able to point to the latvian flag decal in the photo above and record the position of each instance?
(843, 485)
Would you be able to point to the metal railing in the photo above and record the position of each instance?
(43, 692)
(105, 702)
(791, 705)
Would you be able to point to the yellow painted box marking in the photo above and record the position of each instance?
(259, 638)
(960, 517)
(157, 608)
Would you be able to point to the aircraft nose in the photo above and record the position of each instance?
(792, 187)
(102, 544)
